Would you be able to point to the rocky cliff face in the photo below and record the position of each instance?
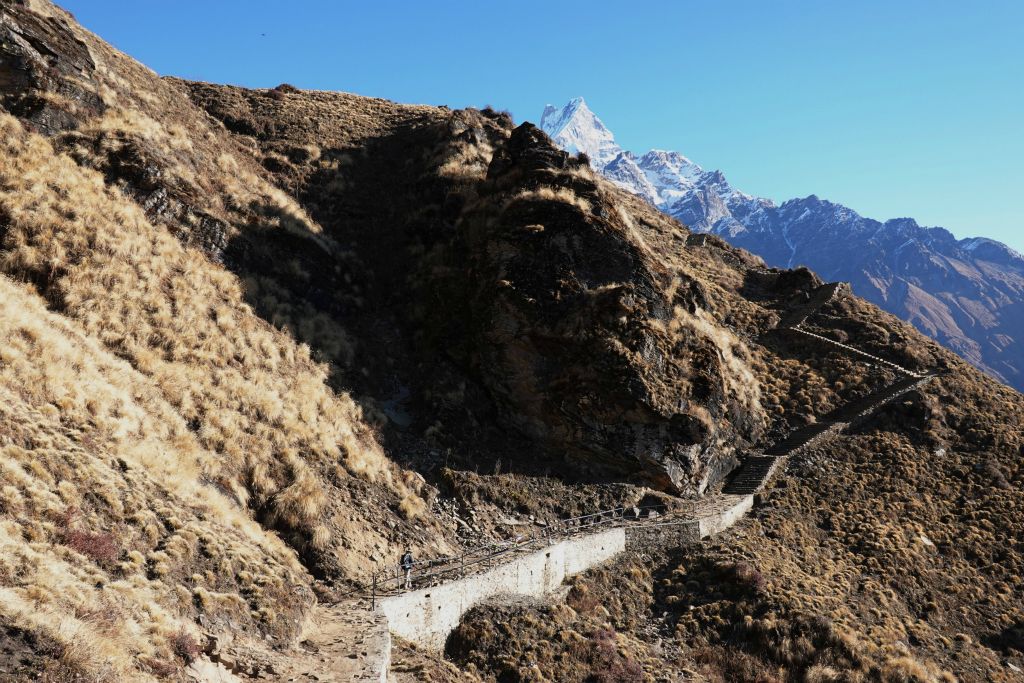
(966, 294)
(44, 63)
(585, 339)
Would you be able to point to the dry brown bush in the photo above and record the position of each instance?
(184, 645)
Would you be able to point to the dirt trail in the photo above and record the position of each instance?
(341, 643)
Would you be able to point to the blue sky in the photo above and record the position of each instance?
(895, 108)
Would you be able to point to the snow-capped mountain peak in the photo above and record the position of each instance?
(664, 178)
(577, 129)
(555, 119)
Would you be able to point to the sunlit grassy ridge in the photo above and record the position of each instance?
(111, 541)
(154, 417)
(255, 398)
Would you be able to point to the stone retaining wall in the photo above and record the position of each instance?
(427, 616)
(725, 512)
(714, 517)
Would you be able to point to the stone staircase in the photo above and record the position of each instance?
(869, 404)
(856, 351)
(758, 468)
(803, 437)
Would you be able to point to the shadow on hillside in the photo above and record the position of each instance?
(760, 287)
(356, 305)
(1008, 641)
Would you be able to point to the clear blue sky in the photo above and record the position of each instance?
(893, 107)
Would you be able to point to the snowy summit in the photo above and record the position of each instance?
(666, 179)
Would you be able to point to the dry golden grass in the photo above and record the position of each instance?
(155, 409)
(550, 194)
(193, 155)
(102, 514)
(740, 382)
(466, 161)
(258, 396)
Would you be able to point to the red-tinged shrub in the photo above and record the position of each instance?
(185, 646)
(101, 547)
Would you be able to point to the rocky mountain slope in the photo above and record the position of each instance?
(256, 342)
(966, 294)
(887, 553)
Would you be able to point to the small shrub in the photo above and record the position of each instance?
(184, 646)
(906, 670)
(748, 575)
(610, 665)
(101, 547)
(412, 507)
(720, 665)
(582, 599)
(161, 669)
(492, 113)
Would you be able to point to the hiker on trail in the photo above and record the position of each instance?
(407, 566)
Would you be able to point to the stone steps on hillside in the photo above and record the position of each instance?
(752, 474)
(756, 470)
(799, 438)
(877, 399)
(863, 354)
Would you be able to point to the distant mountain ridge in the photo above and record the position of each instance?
(967, 294)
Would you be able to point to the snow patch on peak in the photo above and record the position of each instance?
(983, 247)
(665, 156)
(972, 243)
(671, 172)
(624, 172)
(665, 178)
(576, 129)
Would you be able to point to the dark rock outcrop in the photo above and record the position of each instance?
(46, 73)
(586, 341)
